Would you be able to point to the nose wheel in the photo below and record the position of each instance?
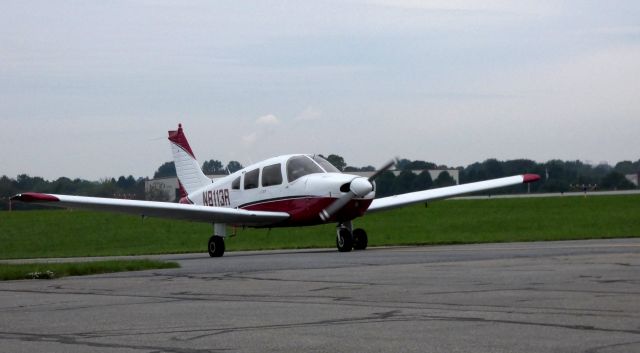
(346, 240)
(360, 239)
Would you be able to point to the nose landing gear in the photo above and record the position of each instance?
(360, 239)
(346, 240)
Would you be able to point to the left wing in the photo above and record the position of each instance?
(396, 201)
(159, 209)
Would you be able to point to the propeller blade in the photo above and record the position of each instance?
(336, 206)
(358, 187)
(384, 168)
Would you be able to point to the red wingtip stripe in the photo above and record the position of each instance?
(178, 137)
(35, 197)
(530, 178)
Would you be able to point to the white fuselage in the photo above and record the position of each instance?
(296, 184)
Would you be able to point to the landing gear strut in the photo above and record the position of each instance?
(216, 246)
(346, 240)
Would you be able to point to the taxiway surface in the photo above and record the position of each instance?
(573, 296)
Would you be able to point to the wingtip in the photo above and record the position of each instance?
(530, 178)
(34, 197)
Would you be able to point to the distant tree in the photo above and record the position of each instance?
(127, 184)
(368, 168)
(616, 181)
(212, 166)
(167, 170)
(106, 188)
(422, 165)
(234, 166)
(384, 184)
(493, 168)
(64, 185)
(27, 183)
(602, 170)
(402, 164)
(7, 189)
(444, 179)
(403, 182)
(337, 161)
(626, 167)
(422, 181)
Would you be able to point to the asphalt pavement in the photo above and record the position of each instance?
(571, 296)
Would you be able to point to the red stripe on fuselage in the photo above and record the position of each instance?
(306, 210)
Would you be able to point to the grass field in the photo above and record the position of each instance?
(57, 270)
(66, 233)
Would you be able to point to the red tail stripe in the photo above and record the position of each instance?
(178, 137)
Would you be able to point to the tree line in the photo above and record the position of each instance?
(556, 176)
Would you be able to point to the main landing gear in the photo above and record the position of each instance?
(216, 242)
(346, 240)
(216, 246)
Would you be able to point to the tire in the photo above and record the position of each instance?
(360, 239)
(216, 246)
(344, 240)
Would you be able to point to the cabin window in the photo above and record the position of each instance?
(299, 166)
(235, 185)
(251, 179)
(326, 165)
(271, 175)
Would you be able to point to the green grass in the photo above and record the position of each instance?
(65, 233)
(57, 270)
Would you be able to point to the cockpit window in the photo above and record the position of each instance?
(271, 175)
(326, 165)
(235, 185)
(299, 166)
(251, 179)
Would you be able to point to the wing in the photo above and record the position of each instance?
(396, 201)
(159, 209)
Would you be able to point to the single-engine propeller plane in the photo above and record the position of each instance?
(285, 191)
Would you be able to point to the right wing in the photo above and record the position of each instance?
(158, 209)
(386, 203)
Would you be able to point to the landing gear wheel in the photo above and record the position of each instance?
(360, 239)
(344, 240)
(216, 246)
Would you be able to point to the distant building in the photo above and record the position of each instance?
(167, 189)
(633, 178)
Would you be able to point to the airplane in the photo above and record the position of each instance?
(285, 191)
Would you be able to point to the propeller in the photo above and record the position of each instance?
(358, 187)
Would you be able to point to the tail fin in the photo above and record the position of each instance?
(189, 173)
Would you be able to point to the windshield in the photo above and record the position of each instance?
(326, 165)
(299, 166)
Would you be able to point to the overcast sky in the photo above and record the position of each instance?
(89, 88)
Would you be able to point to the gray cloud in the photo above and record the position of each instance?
(90, 88)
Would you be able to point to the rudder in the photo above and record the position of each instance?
(187, 168)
